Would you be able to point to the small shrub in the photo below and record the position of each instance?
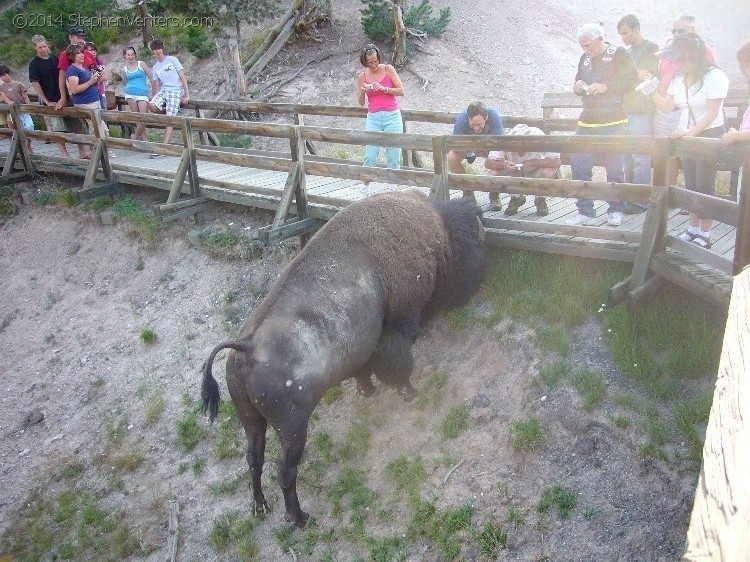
(66, 198)
(492, 539)
(456, 421)
(526, 435)
(189, 432)
(565, 500)
(148, 336)
(332, 394)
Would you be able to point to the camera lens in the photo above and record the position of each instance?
(470, 157)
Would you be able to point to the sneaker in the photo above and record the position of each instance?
(514, 204)
(614, 219)
(585, 220)
(541, 206)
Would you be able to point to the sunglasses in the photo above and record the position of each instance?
(679, 31)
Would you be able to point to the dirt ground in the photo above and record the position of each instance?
(76, 295)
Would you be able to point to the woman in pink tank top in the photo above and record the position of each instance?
(378, 85)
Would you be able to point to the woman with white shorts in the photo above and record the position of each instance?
(137, 75)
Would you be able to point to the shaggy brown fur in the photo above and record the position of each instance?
(349, 305)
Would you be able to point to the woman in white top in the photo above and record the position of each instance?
(699, 92)
(138, 77)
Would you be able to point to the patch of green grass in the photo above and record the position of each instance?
(154, 407)
(147, 227)
(688, 414)
(563, 498)
(622, 422)
(123, 458)
(591, 386)
(66, 198)
(349, 490)
(456, 421)
(560, 290)
(526, 435)
(332, 394)
(97, 204)
(431, 394)
(198, 466)
(221, 240)
(461, 318)
(592, 512)
(670, 338)
(8, 207)
(445, 527)
(515, 517)
(552, 374)
(230, 445)
(492, 538)
(553, 337)
(227, 486)
(189, 432)
(236, 140)
(148, 336)
(408, 475)
(231, 528)
(302, 542)
(73, 525)
(357, 440)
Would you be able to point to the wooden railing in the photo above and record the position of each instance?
(653, 242)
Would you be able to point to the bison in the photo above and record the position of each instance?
(350, 304)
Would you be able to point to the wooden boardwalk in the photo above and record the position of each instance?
(326, 193)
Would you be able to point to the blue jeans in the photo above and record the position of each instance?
(582, 165)
(638, 166)
(389, 122)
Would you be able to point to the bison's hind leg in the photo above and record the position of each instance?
(393, 361)
(255, 426)
(293, 435)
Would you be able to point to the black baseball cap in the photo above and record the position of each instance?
(78, 31)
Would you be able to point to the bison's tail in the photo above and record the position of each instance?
(210, 389)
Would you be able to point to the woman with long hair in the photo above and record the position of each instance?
(137, 76)
(698, 91)
(378, 85)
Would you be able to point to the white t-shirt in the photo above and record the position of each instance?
(167, 72)
(715, 86)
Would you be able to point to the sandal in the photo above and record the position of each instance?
(514, 204)
(702, 241)
(687, 236)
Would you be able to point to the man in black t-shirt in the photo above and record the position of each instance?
(43, 75)
(605, 73)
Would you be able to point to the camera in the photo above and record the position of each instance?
(648, 86)
(585, 89)
(514, 169)
(470, 157)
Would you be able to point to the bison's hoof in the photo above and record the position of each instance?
(261, 508)
(366, 389)
(408, 393)
(299, 520)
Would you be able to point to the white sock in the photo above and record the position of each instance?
(705, 233)
(694, 230)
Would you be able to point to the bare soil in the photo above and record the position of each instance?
(76, 296)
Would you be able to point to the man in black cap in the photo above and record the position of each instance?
(76, 36)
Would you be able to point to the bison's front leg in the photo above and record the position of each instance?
(292, 446)
(393, 361)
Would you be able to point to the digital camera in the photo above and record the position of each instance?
(96, 68)
(648, 86)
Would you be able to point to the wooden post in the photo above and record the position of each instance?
(93, 166)
(440, 189)
(10, 160)
(299, 119)
(742, 238)
(187, 141)
(201, 134)
(22, 140)
(301, 186)
(405, 151)
(720, 521)
(179, 178)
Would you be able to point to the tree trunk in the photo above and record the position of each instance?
(399, 49)
(234, 47)
(146, 32)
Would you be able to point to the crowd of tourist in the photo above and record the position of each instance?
(639, 89)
